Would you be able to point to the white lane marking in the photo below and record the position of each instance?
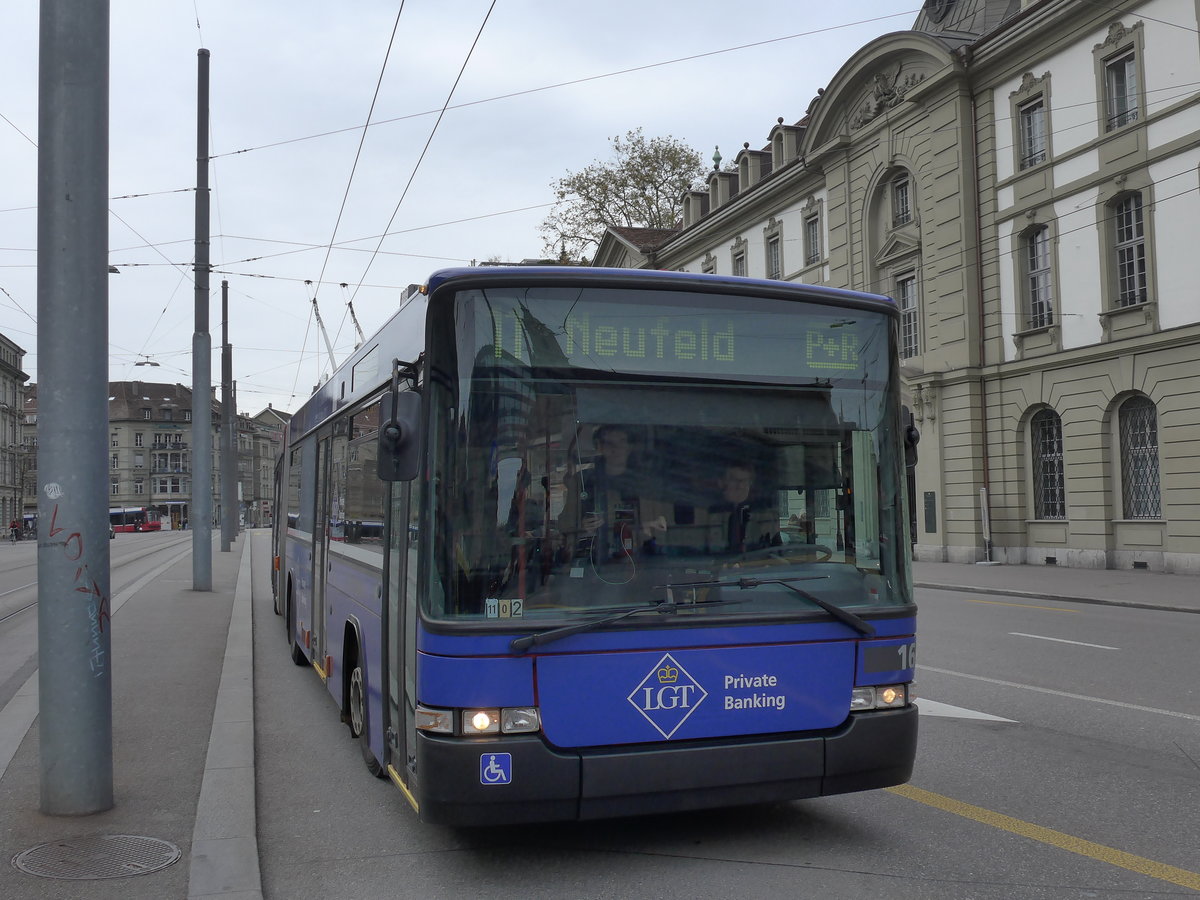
(927, 707)
(21, 588)
(1042, 637)
(1066, 694)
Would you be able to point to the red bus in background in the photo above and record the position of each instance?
(134, 518)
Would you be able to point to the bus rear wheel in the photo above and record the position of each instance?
(298, 656)
(357, 720)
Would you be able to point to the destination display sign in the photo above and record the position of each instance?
(695, 335)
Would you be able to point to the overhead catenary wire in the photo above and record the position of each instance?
(588, 78)
(425, 149)
(358, 152)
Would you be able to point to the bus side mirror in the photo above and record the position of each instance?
(399, 456)
(911, 438)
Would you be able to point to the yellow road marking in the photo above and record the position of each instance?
(1022, 605)
(1119, 858)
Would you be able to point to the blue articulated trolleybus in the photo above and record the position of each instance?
(575, 543)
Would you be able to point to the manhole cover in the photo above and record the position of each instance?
(98, 856)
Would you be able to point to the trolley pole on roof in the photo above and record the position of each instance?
(202, 500)
(229, 488)
(74, 628)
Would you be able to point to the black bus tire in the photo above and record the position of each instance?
(298, 656)
(357, 719)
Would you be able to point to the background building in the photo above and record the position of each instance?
(150, 453)
(1023, 177)
(12, 450)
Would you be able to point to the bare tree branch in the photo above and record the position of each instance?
(641, 186)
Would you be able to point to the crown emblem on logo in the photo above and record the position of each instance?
(668, 675)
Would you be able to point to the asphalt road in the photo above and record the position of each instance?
(1059, 758)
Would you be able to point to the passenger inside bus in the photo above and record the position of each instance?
(607, 505)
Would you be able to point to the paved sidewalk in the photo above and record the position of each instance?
(183, 752)
(1113, 587)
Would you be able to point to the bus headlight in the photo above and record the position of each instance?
(520, 720)
(481, 721)
(471, 722)
(884, 696)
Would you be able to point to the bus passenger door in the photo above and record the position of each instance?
(320, 557)
(401, 650)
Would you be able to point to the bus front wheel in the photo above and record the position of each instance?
(357, 701)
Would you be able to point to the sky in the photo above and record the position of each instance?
(476, 109)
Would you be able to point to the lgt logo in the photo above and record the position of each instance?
(667, 696)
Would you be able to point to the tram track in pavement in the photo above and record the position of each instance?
(9, 614)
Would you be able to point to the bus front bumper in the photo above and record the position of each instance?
(542, 784)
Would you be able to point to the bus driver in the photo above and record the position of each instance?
(604, 504)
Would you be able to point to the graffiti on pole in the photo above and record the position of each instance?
(85, 583)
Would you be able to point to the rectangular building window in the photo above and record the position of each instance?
(138, 439)
(139, 486)
(774, 259)
(812, 240)
(739, 264)
(1130, 247)
(1033, 133)
(1120, 77)
(114, 487)
(146, 411)
(113, 462)
(1037, 248)
(906, 298)
(901, 202)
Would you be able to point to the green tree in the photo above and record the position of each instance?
(641, 186)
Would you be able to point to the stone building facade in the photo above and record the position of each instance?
(1023, 178)
(150, 453)
(13, 456)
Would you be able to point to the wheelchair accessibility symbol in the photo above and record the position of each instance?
(495, 768)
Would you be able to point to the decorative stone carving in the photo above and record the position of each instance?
(1118, 34)
(925, 402)
(1030, 84)
(887, 92)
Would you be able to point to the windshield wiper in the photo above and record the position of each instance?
(662, 606)
(859, 624)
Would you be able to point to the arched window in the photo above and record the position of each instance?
(1138, 422)
(1049, 481)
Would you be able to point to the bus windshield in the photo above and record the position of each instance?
(593, 450)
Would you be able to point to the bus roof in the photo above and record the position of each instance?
(651, 278)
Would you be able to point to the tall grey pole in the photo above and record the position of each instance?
(74, 628)
(202, 500)
(229, 492)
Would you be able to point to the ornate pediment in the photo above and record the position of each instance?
(887, 91)
(897, 246)
(1118, 34)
